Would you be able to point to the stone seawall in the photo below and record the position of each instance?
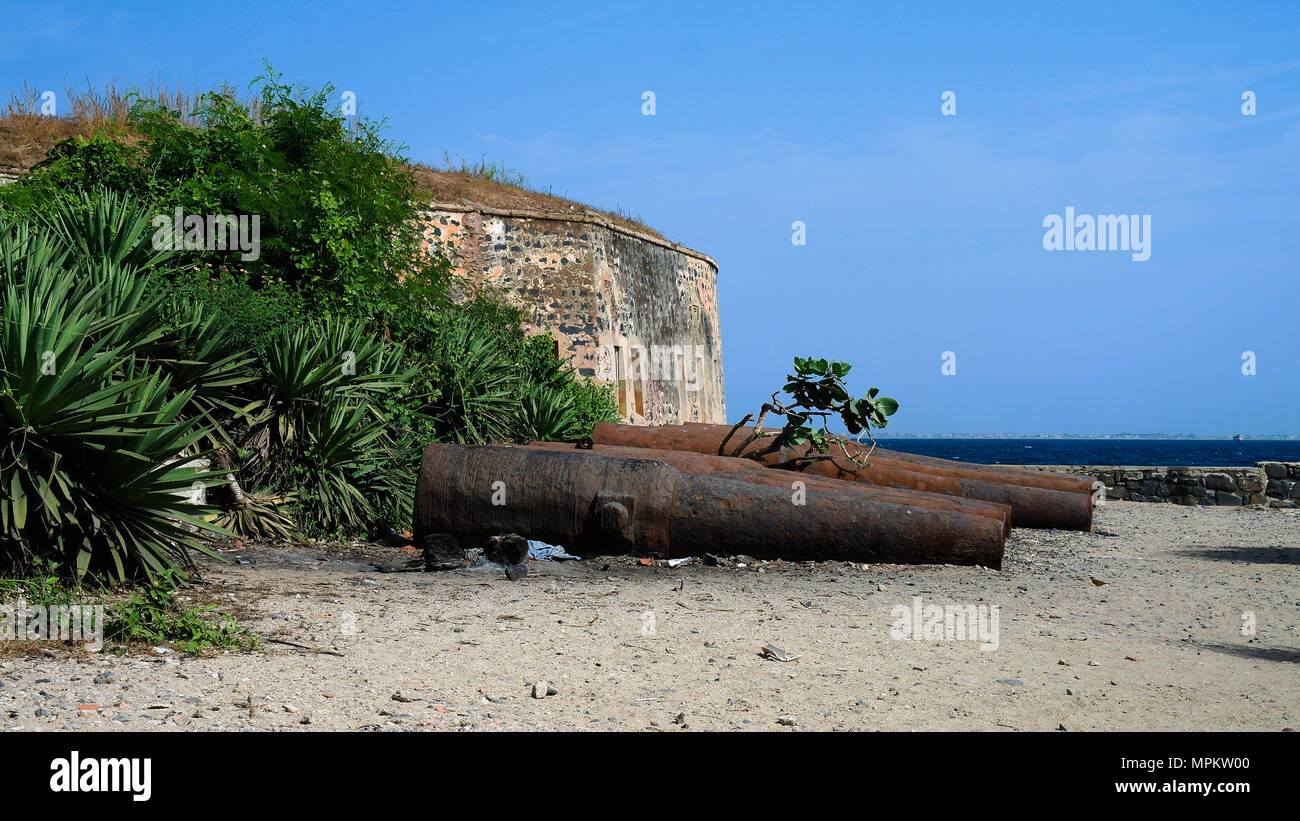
(1267, 484)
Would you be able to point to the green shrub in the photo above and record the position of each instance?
(96, 471)
(74, 165)
(478, 398)
(336, 203)
(490, 382)
(250, 314)
(151, 614)
(592, 403)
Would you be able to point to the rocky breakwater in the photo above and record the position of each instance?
(1267, 484)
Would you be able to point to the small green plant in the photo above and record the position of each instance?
(628, 215)
(42, 586)
(151, 614)
(484, 170)
(818, 392)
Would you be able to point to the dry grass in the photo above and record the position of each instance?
(24, 649)
(457, 187)
(26, 136)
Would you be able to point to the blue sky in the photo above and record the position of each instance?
(924, 231)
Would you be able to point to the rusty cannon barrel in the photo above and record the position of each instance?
(993, 473)
(595, 504)
(970, 470)
(967, 470)
(749, 470)
(1031, 505)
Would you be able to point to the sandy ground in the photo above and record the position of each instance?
(1159, 646)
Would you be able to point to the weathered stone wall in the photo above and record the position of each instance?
(629, 309)
(1272, 484)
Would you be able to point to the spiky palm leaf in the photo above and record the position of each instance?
(89, 470)
(478, 385)
(332, 358)
(261, 516)
(549, 415)
(108, 226)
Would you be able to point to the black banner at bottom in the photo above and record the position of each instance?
(141, 772)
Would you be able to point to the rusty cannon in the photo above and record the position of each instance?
(596, 504)
(1036, 500)
(748, 470)
(967, 470)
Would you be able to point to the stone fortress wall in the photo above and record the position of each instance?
(626, 307)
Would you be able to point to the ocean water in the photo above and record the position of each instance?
(1162, 452)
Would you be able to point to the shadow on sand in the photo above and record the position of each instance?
(1254, 651)
(1252, 555)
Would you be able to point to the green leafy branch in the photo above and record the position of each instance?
(818, 392)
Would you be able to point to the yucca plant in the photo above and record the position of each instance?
(198, 355)
(260, 516)
(333, 358)
(549, 415)
(318, 430)
(478, 382)
(97, 467)
(557, 403)
(107, 226)
(339, 469)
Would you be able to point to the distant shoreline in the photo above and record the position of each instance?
(1099, 450)
(1170, 437)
